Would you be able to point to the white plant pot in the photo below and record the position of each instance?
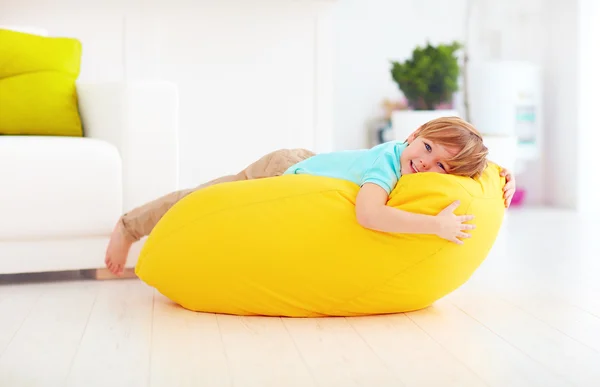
(404, 122)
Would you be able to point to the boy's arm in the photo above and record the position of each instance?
(373, 213)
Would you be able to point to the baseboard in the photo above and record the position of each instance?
(105, 274)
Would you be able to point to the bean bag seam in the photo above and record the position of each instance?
(483, 196)
(385, 282)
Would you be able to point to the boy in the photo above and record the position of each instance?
(444, 145)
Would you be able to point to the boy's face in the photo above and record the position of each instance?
(423, 155)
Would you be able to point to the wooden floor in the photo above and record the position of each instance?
(530, 316)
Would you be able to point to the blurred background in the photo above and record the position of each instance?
(256, 75)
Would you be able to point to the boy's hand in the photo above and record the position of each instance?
(509, 188)
(450, 226)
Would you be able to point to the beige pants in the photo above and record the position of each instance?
(141, 220)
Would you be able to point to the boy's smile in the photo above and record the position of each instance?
(413, 167)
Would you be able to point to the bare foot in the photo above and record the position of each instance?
(117, 250)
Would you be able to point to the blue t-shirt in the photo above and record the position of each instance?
(379, 165)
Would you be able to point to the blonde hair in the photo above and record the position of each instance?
(454, 132)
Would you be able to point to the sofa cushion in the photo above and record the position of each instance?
(37, 84)
(58, 187)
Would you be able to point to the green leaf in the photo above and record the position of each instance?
(430, 76)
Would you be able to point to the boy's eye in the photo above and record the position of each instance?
(441, 166)
(427, 147)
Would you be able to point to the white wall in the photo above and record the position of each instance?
(99, 25)
(247, 73)
(588, 137)
(572, 81)
(253, 75)
(561, 103)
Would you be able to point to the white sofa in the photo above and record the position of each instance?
(61, 196)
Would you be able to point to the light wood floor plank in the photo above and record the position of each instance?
(337, 355)
(496, 361)
(115, 348)
(571, 320)
(261, 353)
(412, 354)
(570, 359)
(42, 350)
(16, 302)
(187, 350)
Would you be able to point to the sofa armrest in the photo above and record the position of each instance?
(141, 120)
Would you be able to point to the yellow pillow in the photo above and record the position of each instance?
(291, 246)
(37, 85)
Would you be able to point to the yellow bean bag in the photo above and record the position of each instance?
(291, 246)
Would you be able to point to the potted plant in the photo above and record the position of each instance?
(428, 81)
